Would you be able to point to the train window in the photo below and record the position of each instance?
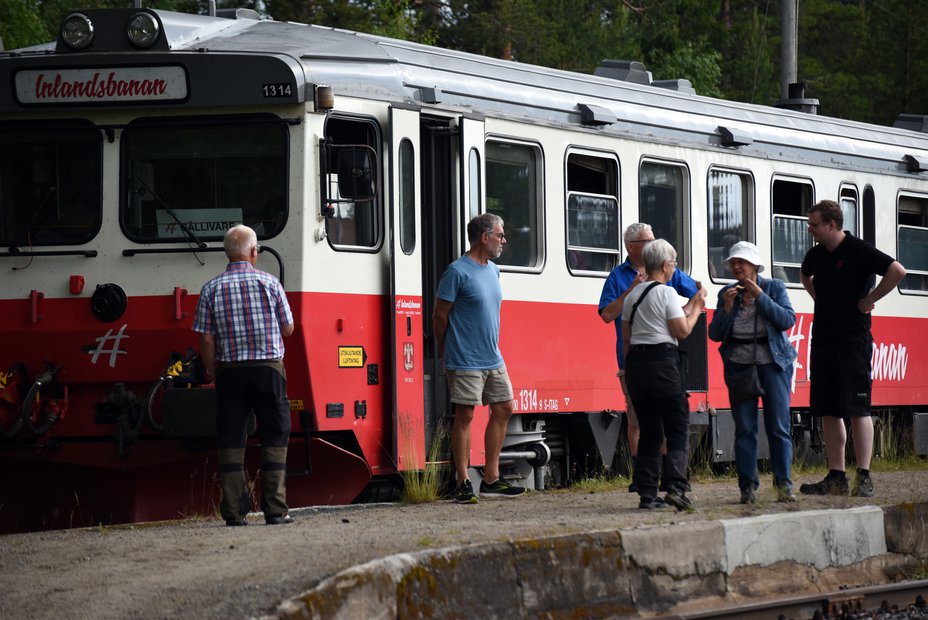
(407, 197)
(202, 176)
(913, 241)
(662, 203)
(351, 223)
(849, 209)
(731, 209)
(50, 183)
(791, 201)
(593, 238)
(514, 194)
(474, 176)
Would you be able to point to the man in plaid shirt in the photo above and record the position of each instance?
(241, 317)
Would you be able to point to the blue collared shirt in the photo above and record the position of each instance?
(620, 279)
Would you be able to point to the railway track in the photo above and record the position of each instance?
(907, 599)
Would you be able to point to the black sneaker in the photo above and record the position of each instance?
(831, 485)
(748, 496)
(680, 501)
(278, 520)
(236, 522)
(464, 494)
(500, 488)
(863, 486)
(652, 503)
(633, 488)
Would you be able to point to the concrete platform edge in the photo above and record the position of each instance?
(618, 572)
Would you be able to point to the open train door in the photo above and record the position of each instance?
(406, 336)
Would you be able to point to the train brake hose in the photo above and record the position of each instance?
(26, 417)
(150, 401)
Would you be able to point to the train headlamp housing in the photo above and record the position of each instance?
(77, 31)
(143, 30)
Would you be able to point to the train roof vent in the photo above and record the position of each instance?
(238, 14)
(797, 100)
(595, 115)
(624, 70)
(679, 85)
(912, 122)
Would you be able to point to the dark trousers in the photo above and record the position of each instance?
(240, 391)
(655, 383)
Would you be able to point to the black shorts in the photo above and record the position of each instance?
(840, 375)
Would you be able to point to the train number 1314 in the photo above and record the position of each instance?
(527, 400)
(277, 90)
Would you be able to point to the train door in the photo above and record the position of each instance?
(406, 337)
(439, 200)
(452, 189)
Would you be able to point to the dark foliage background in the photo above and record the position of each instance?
(863, 59)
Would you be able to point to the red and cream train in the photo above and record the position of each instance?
(129, 145)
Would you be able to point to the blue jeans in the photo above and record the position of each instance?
(776, 383)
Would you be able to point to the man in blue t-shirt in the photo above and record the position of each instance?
(619, 283)
(466, 327)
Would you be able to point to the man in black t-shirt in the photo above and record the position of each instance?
(837, 274)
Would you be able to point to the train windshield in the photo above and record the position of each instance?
(50, 183)
(184, 176)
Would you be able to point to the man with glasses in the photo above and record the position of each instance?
(241, 317)
(837, 274)
(620, 282)
(466, 326)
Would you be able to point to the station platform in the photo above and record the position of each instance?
(554, 554)
(644, 569)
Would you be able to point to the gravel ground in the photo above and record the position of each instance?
(202, 569)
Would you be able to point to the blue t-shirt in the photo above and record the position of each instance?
(620, 279)
(472, 339)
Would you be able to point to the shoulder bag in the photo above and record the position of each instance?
(744, 384)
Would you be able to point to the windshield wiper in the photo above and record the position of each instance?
(183, 227)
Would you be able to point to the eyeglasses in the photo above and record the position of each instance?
(672, 262)
(499, 236)
(257, 248)
(639, 240)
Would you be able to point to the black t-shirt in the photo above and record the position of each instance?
(841, 279)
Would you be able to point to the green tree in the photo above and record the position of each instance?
(20, 24)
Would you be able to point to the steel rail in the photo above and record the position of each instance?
(837, 604)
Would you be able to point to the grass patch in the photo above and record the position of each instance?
(425, 485)
(600, 484)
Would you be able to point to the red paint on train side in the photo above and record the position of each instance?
(561, 358)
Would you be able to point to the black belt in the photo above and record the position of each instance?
(653, 351)
(652, 347)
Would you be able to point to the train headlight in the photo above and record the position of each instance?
(77, 30)
(143, 30)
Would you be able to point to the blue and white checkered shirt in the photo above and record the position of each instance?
(243, 308)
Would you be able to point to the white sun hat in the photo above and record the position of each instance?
(747, 251)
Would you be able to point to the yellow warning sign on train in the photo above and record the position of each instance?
(351, 357)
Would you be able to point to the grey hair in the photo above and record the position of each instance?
(655, 253)
(238, 241)
(634, 231)
(483, 223)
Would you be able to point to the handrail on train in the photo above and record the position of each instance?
(264, 248)
(16, 252)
